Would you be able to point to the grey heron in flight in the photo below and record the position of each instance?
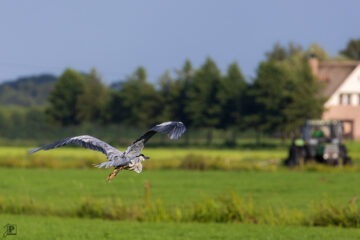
(130, 159)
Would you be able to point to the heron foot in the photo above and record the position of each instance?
(113, 174)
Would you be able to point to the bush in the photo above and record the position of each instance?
(328, 214)
(194, 162)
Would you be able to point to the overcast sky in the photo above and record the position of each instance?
(116, 36)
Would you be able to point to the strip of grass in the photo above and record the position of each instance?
(35, 227)
(160, 157)
(67, 188)
(200, 159)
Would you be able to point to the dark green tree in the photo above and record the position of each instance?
(63, 99)
(137, 103)
(270, 97)
(315, 50)
(281, 53)
(231, 92)
(205, 108)
(352, 49)
(231, 95)
(174, 93)
(91, 102)
(139, 75)
(114, 111)
(285, 94)
(306, 99)
(166, 84)
(180, 92)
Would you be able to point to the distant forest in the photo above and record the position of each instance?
(27, 91)
(282, 95)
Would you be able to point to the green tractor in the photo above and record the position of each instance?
(320, 141)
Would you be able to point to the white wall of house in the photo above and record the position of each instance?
(348, 93)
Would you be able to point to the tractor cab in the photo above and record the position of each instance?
(329, 130)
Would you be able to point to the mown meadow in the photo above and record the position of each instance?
(40, 227)
(188, 193)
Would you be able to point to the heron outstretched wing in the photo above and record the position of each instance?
(173, 129)
(85, 141)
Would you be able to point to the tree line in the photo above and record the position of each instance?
(282, 95)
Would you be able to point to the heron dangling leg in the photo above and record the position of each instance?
(114, 173)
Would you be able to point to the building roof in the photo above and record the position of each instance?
(334, 73)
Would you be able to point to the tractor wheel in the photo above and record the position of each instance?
(345, 158)
(295, 156)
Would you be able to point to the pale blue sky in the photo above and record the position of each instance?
(116, 36)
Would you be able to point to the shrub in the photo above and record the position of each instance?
(194, 162)
(328, 214)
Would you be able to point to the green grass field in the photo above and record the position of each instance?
(34, 228)
(67, 187)
(164, 158)
(57, 195)
(161, 158)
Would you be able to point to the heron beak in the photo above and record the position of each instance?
(146, 157)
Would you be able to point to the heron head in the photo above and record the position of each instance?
(144, 157)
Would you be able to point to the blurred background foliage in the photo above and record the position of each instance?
(275, 102)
